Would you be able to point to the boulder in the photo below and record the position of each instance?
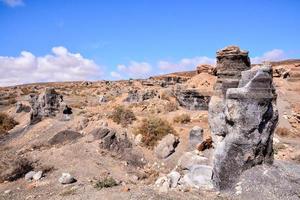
(101, 132)
(46, 104)
(189, 159)
(29, 175)
(114, 142)
(166, 146)
(66, 178)
(133, 96)
(174, 178)
(195, 137)
(250, 120)
(270, 182)
(22, 108)
(199, 177)
(38, 175)
(64, 137)
(242, 117)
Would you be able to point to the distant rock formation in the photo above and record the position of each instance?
(192, 99)
(205, 68)
(46, 104)
(242, 117)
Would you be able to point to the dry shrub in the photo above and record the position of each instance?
(27, 91)
(13, 166)
(6, 123)
(282, 131)
(153, 129)
(123, 116)
(182, 119)
(171, 106)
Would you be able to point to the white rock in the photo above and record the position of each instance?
(189, 159)
(198, 177)
(165, 187)
(66, 178)
(7, 191)
(29, 175)
(38, 175)
(138, 139)
(174, 178)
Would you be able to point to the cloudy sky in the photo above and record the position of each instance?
(54, 40)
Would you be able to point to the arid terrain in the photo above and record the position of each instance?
(120, 137)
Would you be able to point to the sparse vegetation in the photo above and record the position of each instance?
(105, 183)
(171, 106)
(122, 115)
(182, 119)
(27, 91)
(13, 166)
(6, 123)
(282, 131)
(153, 129)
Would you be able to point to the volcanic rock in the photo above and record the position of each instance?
(46, 104)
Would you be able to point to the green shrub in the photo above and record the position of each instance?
(182, 119)
(105, 183)
(153, 129)
(123, 116)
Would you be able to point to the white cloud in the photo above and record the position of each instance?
(61, 65)
(135, 69)
(273, 55)
(115, 75)
(184, 64)
(13, 3)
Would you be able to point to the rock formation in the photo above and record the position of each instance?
(192, 99)
(243, 117)
(46, 104)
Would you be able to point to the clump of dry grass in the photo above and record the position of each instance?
(27, 91)
(153, 129)
(171, 106)
(122, 115)
(182, 119)
(6, 123)
(282, 131)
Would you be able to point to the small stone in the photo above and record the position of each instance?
(7, 191)
(138, 139)
(174, 178)
(165, 187)
(125, 189)
(66, 178)
(29, 175)
(38, 175)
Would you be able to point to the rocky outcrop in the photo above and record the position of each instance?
(242, 117)
(231, 61)
(166, 146)
(46, 104)
(192, 99)
(205, 68)
(135, 96)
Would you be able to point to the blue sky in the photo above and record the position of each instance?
(138, 38)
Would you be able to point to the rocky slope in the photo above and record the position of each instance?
(152, 136)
